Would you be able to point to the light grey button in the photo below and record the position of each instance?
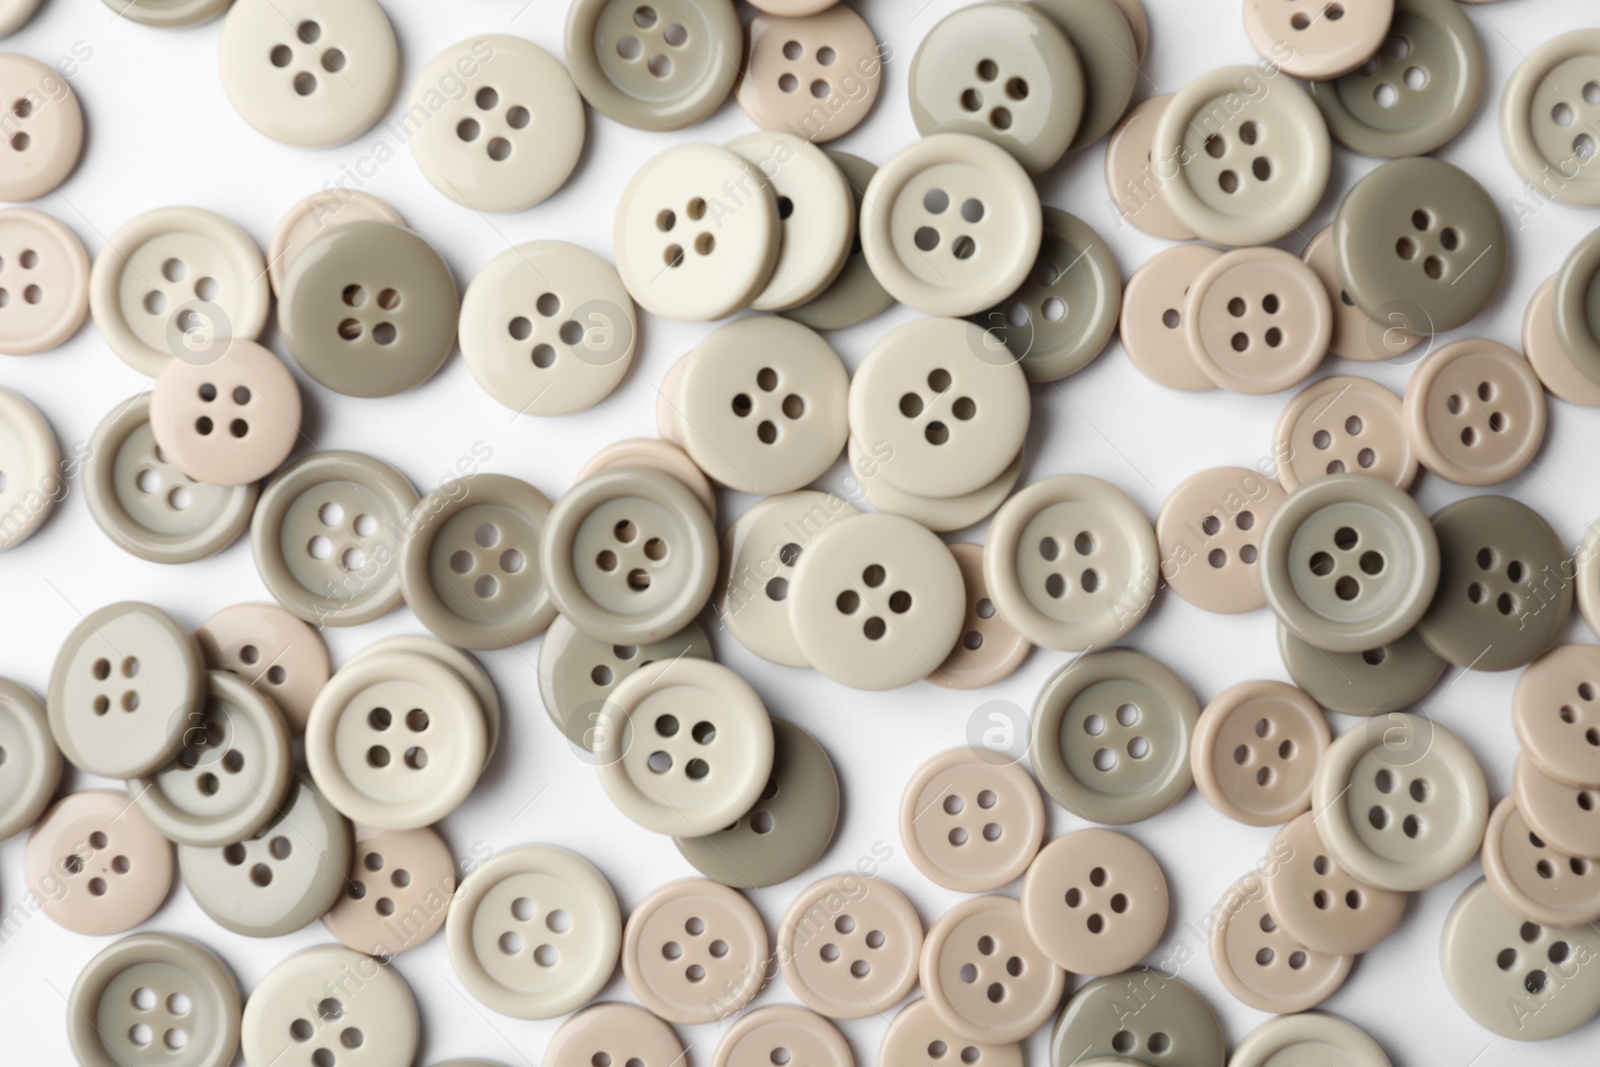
(1102, 35)
(168, 14)
(470, 670)
(154, 998)
(937, 513)
(32, 765)
(650, 69)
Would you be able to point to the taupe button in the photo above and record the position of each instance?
(397, 894)
(1356, 335)
(849, 946)
(613, 1033)
(154, 998)
(1133, 178)
(469, 669)
(815, 73)
(311, 1004)
(1308, 1039)
(1255, 750)
(918, 1037)
(110, 866)
(983, 974)
(1533, 878)
(1209, 529)
(1258, 320)
(1556, 716)
(1304, 39)
(989, 649)
(44, 271)
(32, 765)
(694, 951)
(1372, 682)
(1556, 365)
(780, 1032)
(1173, 1024)
(1095, 901)
(1568, 817)
(1475, 412)
(1151, 326)
(1103, 35)
(1318, 903)
(1343, 425)
(971, 824)
(273, 651)
(230, 420)
(1261, 963)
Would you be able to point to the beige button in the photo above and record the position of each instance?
(230, 420)
(918, 1037)
(1261, 963)
(33, 470)
(1151, 326)
(1356, 335)
(1555, 713)
(43, 131)
(989, 650)
(1475, 412)
(44, 276)
(653, 454)
(793, 8)
(1343, 425)
(1133, 178)
(1318, 902)
(1095, 902)
(1541, 343)
(96, 864)
(818, 214)
(1255, 751)
(397, 893)
(983, 974)
(1567, 817)
(1534, 879)
(782, 1033)
(1209, 530)
(320, 211)
(325, 998)
(1258, 320)
(694, 951)
(937, 513)
(815, 75)
(613, 1034)
(971, 824)
(1305, 38)
(849, 946)
(271, 649)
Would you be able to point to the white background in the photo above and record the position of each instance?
(161, 132)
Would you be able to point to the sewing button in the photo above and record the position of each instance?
(14, 14)
(983, 975)
(45, 135)
(273, 651)
(779, 1030)
(1255, 750)
(694, 951)
(1340, 425)
(620, 1033)
(1306, 40)
(1577, 305)
(653, 453)
(44, 272)
(1548, 103)
(325, 998)
(1312, 1037)
(1534, 879)
(168, 14)
(918, 1030)
(817, 212)
(1102, 35)
(230, 420)
(937, 513)
(848, 946)
(1556, 717)
(989, 650)
(651, 72)
(1209, 529)
(149, 992)
(1318, 903)
(1356, 335)
(469, 669)
(397, 893)
(1139, 22)
(308, 218)
(1475, 412)
(1172, 1020)
(1133, 178)
(1260, 963)
(1151, 324)
(1563, 815)
(812, 72)
(1373, 681)
(112, 867)
(1258, 320)
(34, 473)
(970, 824)
(32, 769)
(856, 295)
(794, 8)
(1548, 354)
(1095, 901)
(1587, 584)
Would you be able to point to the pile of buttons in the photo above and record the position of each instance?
(281, 791)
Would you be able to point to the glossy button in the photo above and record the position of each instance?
(1111, 736)
(937, 513)
(1343, 425)
(917, 1031)
(228, 421)
(694, 951)
(369, 309)
(1151, 326)
(547, 328)
(110, 867)
(1370, 682)
(984, 976)
(855, 295)
(1132, 177)
(308, 218)
(307, 73)
(1258, 320)
(154, 991)
(1576, 300)
(650, 69)
(1071, 562)
(1556, 717)
(1209, 529)
(1102, 34)
(1310, 1038)
(1318, 903)
(1255, 750)
(1501, 600)
(849, 946)
(512, 138)
(754, 1040)
(1095, 901)
(1475, 411)
(271, 650)
(1303, 39)
(1401, 803)
(622, 1033)
(174, 281)
(309, 1007)
(971, 824)
(1356, 335)
(653, 453)
(168, 14)
(14, 14)
(44, 271)
(817, 211)
(951, 225)
(534, 932)
(32, 767)
(1173, 1020)
(1556, 365)
(146, 505)
(463, 664)
(33, 469)
(815, 73)
(1547, 105)
(45, 134)
(1562, 815)
(1533, 878)
(397, 894)
(989, 650)
(1260, 963)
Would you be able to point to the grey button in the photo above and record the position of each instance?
(1372, 682)
(154, 998)
(1094, 1023)
(32, 765)
(641, 69)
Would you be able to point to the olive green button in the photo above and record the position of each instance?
(1503, 598)
(654, 68)
(1372, 682)
(855, 295)
(154, 998)
(1140, 1014)
(1420, 237)
(1577, 305)
(1103, 38)
(369, 309)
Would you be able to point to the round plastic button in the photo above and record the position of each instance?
(1102, 35)
(937, 513)
(547, 328)
(989, 649)
(408, 873)
(328, 998)
(951, 225)
(761, 402)
(694, 951)
(173, 282)
(1257, 320)
(1095, 901)
(1542, 342)
(308, 73)
(918, 1028)
(470, 670)
(876, 601)
(816, 73)
(1556, 716)
(1400, 803)
(1071, 562)
(1371, 682)
(779, 1030)
(1475, 411)
(511, 138)
(32, 767)
(154, 991)
(1420, 242)
(697, 232)
(1067, 308)
(1351, 563)
(1111, 736)
(1260, 963)
(969, 823)
(641, 69)
(470, 567)
(122, 688)
(794, 8)
(369, 309)
(1172, 1017)
(688, 748)
(1004, 72)
(1132, 177)
(111, 867)
(1151, 325)
(1502, 601)
(1514, 977)
(1562, 815)
(230, 775)
(653, 453)
(308, 218)
(229, 421)
(621, 1033)
(786, 830)
(281, 880)
(1587, 590)
(1242, 162)
(146, 505)
(1308, 1038)
(1255, 750)
(1382, 109)
(629, 555)
(1317, 903)
(1342, 425)
(849, 946)
(1209, 529)
(1356, 335)
(1548, 103)
(1015, 987)
(34, 472)
(276, 653)
(45, 134)
(817, 211)
(856, 295)
(1534, 879)
(45, 273)
(324, 537)
(1302, 39)
(14, 14)
(534, 933)
(168, 14)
